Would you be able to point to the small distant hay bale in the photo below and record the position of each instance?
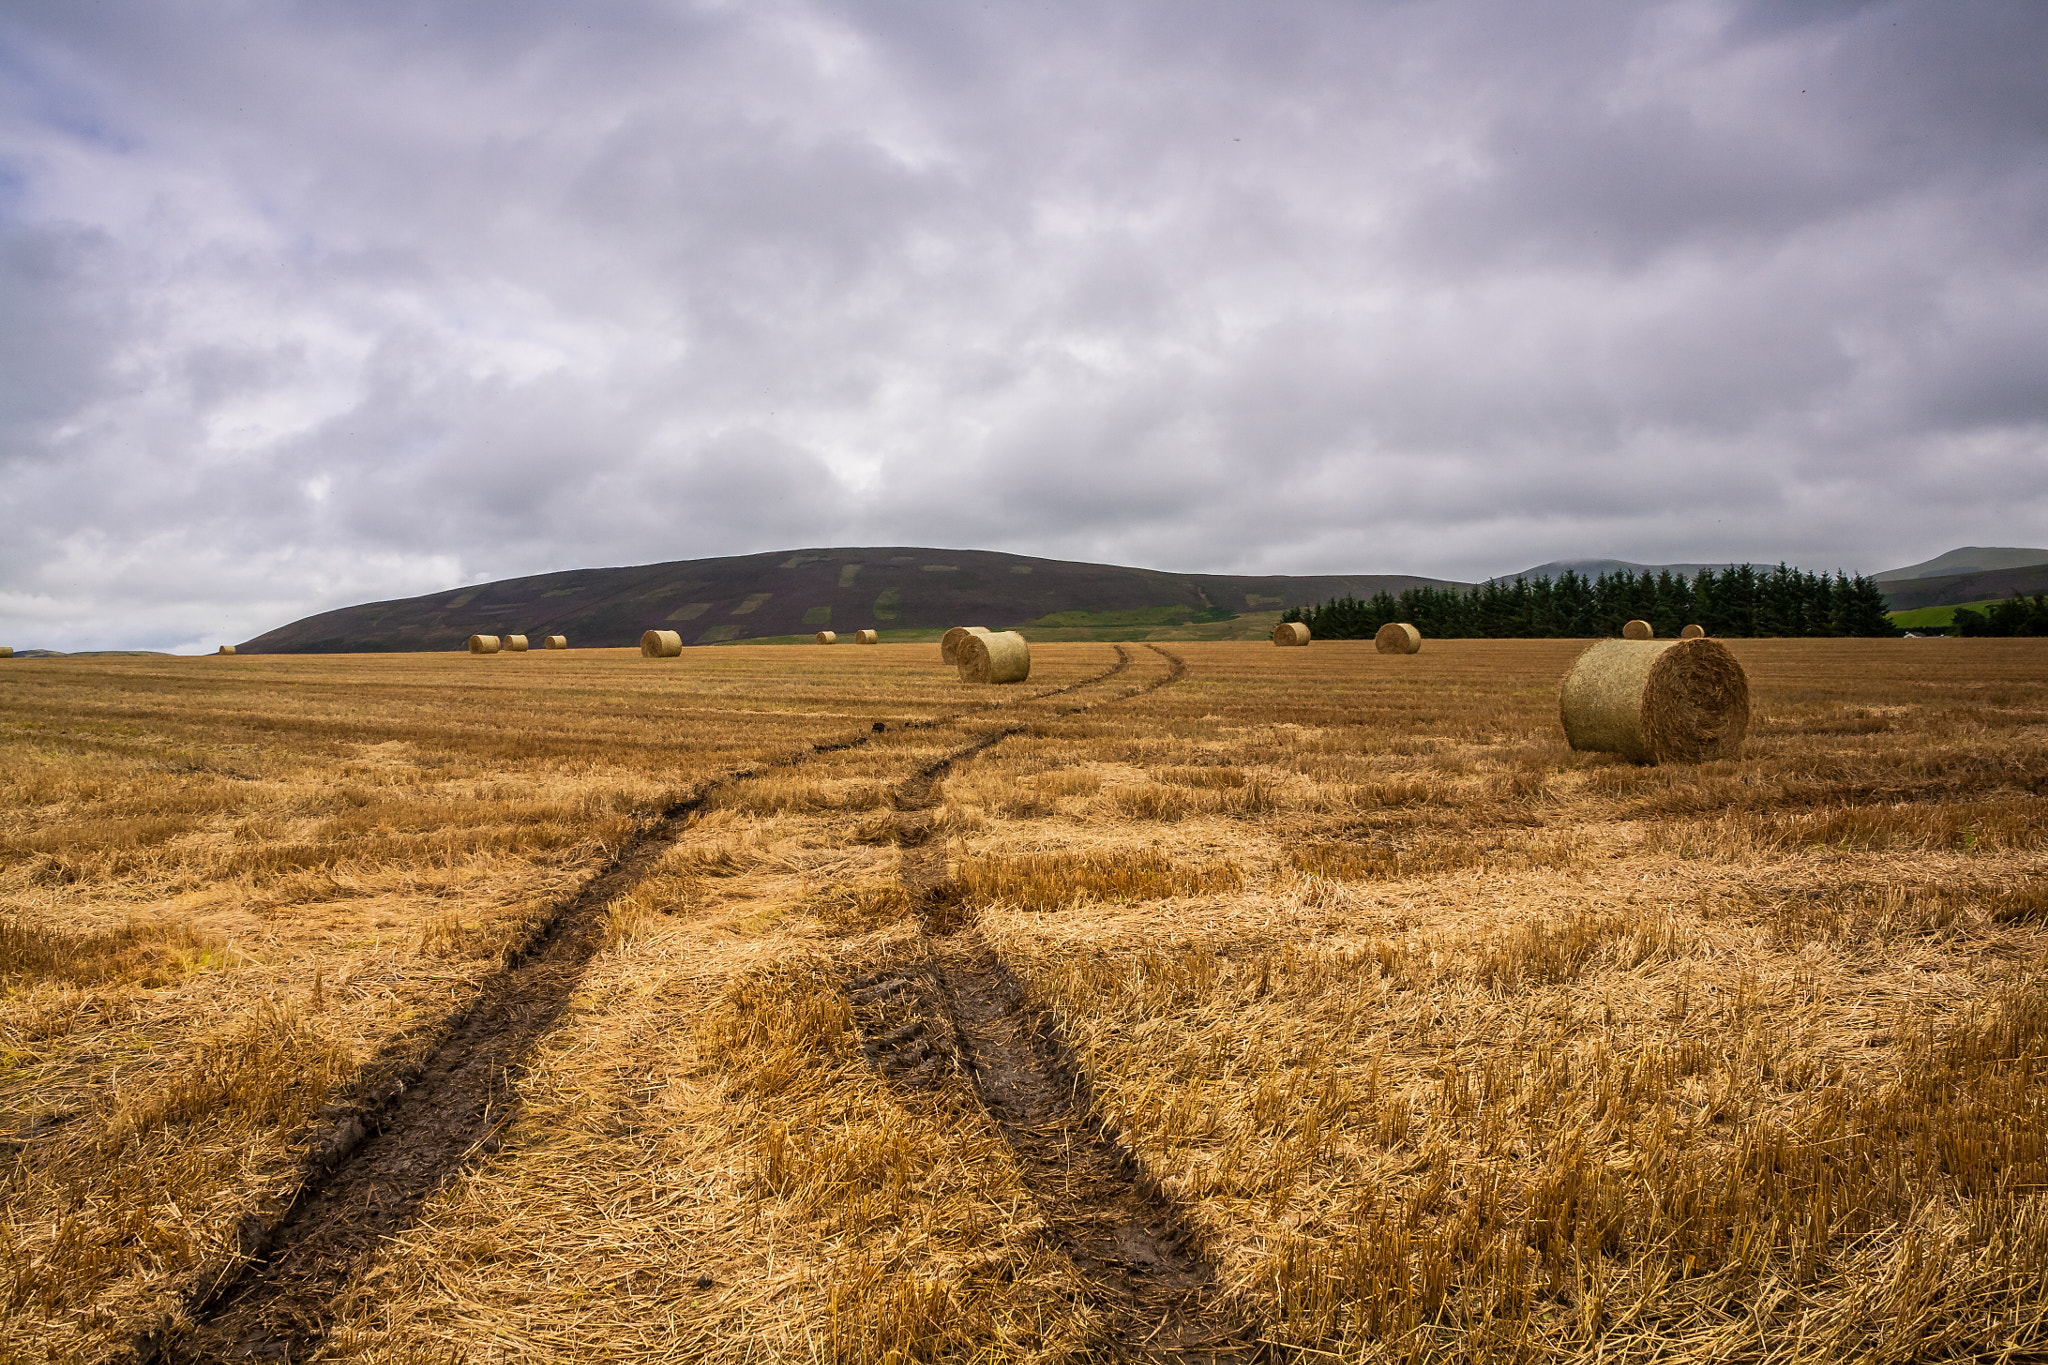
(485, 644)
(224, 649)
(949, 643)
(1693, 633)
(516, 643)
(1290, 633)
(660, 644)
(1656, 701)
(866, 637)
(993, 658)
(1397, 637)
(825, 637)
(557, 642)
(1639, 630)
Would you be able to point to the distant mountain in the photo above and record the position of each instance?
(793, 593)
(1960, 589)
(1970, 559)
(1593, 568)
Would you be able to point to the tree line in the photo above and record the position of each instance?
(1742, 600)
(2017, 615)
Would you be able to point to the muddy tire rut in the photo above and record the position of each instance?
(951, 1010)
(413, 1127)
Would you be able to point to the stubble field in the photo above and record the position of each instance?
(1189, 1001)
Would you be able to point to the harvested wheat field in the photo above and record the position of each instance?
(1186, 1002)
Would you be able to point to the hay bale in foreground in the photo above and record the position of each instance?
(1639, 630)
(660, 644)
(1290, 633)
(1398, 637)
(825, 637)
(6, 651)
(516, 643)
(485, 644)
(949, 643)
(866, 637)
(1693, 633)
(987, 658)
(224, 649)
(557, 642)
(1656, 701)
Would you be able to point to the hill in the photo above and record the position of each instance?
(1970, 559)
(1593, 568)
(1963, 589)
(787, 594)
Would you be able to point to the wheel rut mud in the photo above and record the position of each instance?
(412, 1127)
(951, 1007)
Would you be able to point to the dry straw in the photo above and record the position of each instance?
(1290, 633)
(949, 643)
(660, 644)
(6, 651)
(987, 658)
(1656, 701)
(1639, 630)
(1398, 637)
(516, 643)
(224, 649)
(826, 637)
(558, 642)
(485, 644)
(1693, 633)
(866, 637)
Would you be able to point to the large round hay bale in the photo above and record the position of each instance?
(1290, 633)
(825, 637)
(1639, 630)
(224, 649)
(660, 644)
(866, 637)
(557, 642)
(949, 643)
(485, 644)
(990, 658)
(6, 651)
(1397, 637)
(516, 643)
(1693, 633)
(1656, 701)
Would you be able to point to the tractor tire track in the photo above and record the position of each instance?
(413, 1126)
(951, 1007)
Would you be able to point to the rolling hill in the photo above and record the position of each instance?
(896, 589)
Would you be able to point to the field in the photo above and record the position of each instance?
(1922, 618)
(1191, 1001)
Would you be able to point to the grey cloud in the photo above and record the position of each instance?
(306, 304)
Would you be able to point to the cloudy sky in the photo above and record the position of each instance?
(309, 304)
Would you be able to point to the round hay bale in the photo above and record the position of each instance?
(825, 637)
(1693, 633)
(6, 651)
(1397, 637)
(1639, 630)
(224, 649)
(660, 644)
(1656, 701)
(949, 643)
(558, 642)
(516, 643)
(485, 644)
(1290, 633)
(988, 658)
(866, 637)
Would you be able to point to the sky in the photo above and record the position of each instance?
(308, 304)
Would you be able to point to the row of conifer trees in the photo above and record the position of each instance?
(1742, 600)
